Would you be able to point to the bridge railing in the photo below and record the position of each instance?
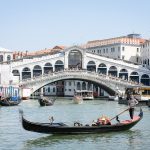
(77, 71)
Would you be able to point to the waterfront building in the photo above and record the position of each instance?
(32, 65)
(145, 54)
(127, 48)
(5, 55)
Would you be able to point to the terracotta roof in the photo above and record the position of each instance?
(59, 47)
(122, 39)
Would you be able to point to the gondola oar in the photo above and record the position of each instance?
(119, 114)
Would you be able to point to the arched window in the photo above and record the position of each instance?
(59, 65)
(75, 59)
(91, 66)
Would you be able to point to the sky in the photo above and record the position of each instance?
(38, 24)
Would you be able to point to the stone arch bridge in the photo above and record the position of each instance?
(109, 83)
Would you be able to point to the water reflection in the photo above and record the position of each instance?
(101, 139)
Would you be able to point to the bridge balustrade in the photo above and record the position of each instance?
(77, 71)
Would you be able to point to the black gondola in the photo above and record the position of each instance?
(45, 101)
(61, 128)
(8, 102)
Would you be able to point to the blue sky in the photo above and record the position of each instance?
(38, 24)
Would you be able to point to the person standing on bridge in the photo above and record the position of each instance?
(132, 102)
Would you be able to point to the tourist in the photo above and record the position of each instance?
(104, 120)
(132, 102)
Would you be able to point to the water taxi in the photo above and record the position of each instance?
(86, 94)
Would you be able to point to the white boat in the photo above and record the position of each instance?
(86, 94)
(77, 99)
(113, 98)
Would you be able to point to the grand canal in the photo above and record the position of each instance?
(14, 137)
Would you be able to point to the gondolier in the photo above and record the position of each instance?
(132, 102)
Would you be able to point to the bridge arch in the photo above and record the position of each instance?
(16, 72)
(75, 59)
(26, 73)
(113, 71)
(83, 86)
(123, 74)
(91, 66)
(109, 84)
(37, 71)
(59, 65)
(145, 79)
(48, 68)
(134, 76)
(102, 68)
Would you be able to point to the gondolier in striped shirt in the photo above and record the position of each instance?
(132, 102)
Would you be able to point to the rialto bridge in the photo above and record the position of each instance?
(75, 63)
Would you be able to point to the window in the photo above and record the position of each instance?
(123, 48)
(137, 59)
(113, 49)
(70, 90)
(137, 49)
(118, 49)
(1, 58)
(104, 50)
(69, 83)
(49, 90)
(53, 89)
(123, 57)
(8, 58)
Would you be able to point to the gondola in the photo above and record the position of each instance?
(77, 128)
(8, 102)
(45, 101)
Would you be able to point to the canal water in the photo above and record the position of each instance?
(14, 137)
